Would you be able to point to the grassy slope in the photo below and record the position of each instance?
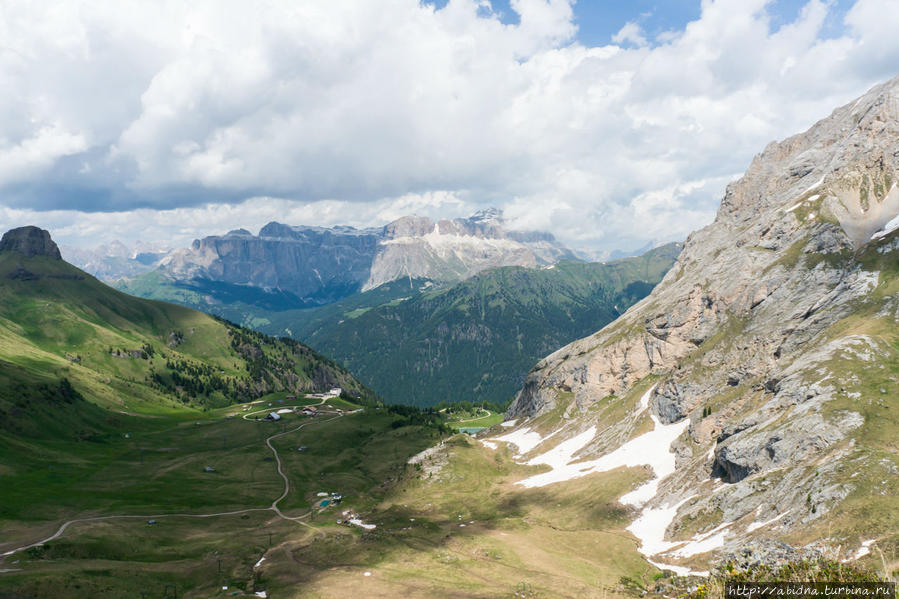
(476, 340)
(566, 542)
(60, 322)
(62, 420)
(474, 418)
(158, 469)
(92, 437)
(69, 452)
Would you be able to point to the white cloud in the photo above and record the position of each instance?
(630, 33)
(358, 112)
(179, 226)
(31, 156)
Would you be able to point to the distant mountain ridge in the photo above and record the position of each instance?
(318, 265)
(115, 260)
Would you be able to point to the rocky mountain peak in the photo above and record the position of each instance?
(848, 159)
(30, 241)
(319, 264)
(487, 215)
(409, 226)
(757, 349)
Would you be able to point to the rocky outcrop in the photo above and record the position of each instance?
(745, 451)
(30, 241)
(753, 336)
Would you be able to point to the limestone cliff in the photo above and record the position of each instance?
(323, 264)
(773, 340)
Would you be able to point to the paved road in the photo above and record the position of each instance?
(272, 508)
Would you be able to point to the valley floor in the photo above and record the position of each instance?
(450, 524)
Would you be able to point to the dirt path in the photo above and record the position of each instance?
(488, 415)
(272, 508)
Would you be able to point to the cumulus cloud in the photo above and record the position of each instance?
(630, 33)
(179, 226)
(336, 111)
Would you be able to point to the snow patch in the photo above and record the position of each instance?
(644, 400)
(361, 524)
(259, 563)
(524, 439)
(758, 525)
(888, 228)
(820, 181)
(864, 550)
(703, 543)
(509, 423)
(650, 528)
(262, 594)
(651, 449)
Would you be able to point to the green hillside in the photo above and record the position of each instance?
(119, 476)
(476, 340)
(112, 407)
(138, 355)
(271, 311)
(238, 303)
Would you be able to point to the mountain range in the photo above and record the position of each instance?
(287, 266)
(738, 422)
(425, 312)
(475, 340)
(116, 260)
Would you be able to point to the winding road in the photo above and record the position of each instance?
(272, 508)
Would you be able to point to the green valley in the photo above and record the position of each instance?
(150, 450)
(476, 340)
(418, 343)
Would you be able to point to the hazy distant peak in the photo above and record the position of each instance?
(238, 233)
(487, 215)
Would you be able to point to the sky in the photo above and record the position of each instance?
(610, 124)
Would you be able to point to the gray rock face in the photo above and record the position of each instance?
(674, 401)
(30, 241)
(752, 334)
(746, 452)
(323, 264)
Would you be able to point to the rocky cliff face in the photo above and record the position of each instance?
(328, 263)
(772, 342)
(30, 241)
